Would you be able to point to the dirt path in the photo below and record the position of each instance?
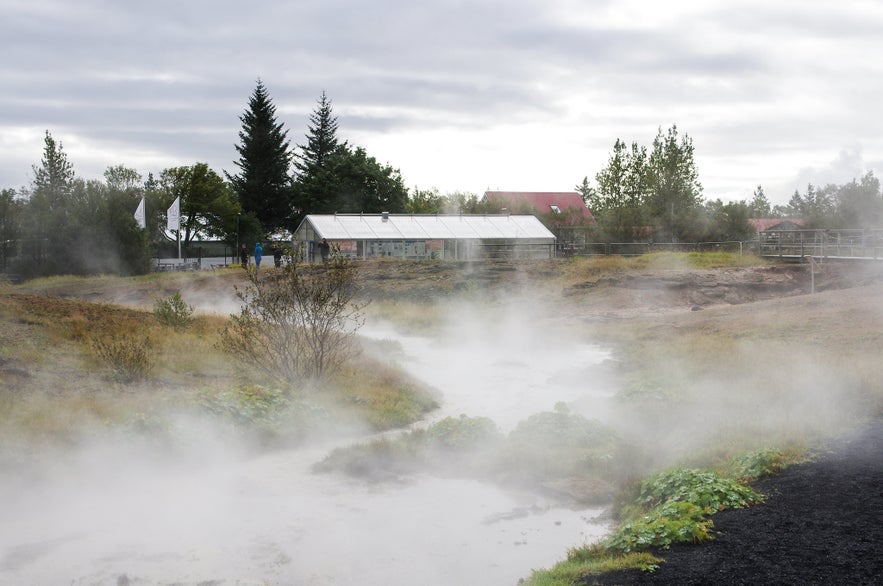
(822, 523)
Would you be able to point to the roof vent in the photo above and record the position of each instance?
(384, 216)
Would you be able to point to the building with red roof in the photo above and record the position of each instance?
(544, 202)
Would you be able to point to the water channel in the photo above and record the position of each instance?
(215, 514)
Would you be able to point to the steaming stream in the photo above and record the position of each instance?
(124, 514)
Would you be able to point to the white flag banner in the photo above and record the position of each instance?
(139, 215)
(174, 215)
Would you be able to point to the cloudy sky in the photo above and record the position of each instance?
(459, 95)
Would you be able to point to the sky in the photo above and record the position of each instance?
(469, 96)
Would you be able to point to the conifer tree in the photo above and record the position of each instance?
(316, 181)
(321, 139)
(263, 184)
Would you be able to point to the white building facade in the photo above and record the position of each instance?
(426, 236)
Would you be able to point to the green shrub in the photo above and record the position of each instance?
(759, 463)
(671, 522)
(463, 433)
(702, 488)
(172, 311)
(247, 404)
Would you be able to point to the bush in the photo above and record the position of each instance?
(172, 311)
(672, 522)
(463, 433)
(298, 322)
(130, 357)
(702, 488)
(759, 463)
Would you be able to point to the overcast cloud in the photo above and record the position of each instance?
(461, 96)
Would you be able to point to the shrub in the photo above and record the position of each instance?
(759, 463)
(671, 522)
(463, 433)
(130, 357)
(702, 488)
(297, 322)
(172, 311)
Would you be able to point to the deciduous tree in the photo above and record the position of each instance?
(208, 205)
(299, 322)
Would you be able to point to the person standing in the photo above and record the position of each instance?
(277, 255)
(243, 256)
(324, 249)
(258, 253)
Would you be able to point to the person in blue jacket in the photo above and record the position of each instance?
(258, 253)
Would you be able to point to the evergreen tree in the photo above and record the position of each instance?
(263, 184)
(54, 177)
(48, 235)
(759, 207)
(332, 177)
(10, 225)
(321, 139)
(315, 185)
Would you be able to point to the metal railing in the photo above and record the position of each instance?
(847, 243)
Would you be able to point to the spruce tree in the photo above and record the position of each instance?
(316, 181)
(321, 139)
(263, 184)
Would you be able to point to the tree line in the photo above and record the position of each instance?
(64, 224)
(655, 195)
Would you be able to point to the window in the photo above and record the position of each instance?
(555, 208)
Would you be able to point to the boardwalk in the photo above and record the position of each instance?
(821, 244)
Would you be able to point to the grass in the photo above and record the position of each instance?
(707, 390)
(69, 367)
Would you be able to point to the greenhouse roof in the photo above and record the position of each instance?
(427, 227)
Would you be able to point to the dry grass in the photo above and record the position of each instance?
(69, 367)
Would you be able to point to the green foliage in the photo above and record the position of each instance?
(702, 488)
(263, 184)
(671, 507)
(129, 356)
(559, 444)
(208, 206)
(584, 562)
(247, 404)
(334, 177)
(672, 522)
(425, 202)
(463, 433)
(759, 463)
(172, 311)
(72, 226)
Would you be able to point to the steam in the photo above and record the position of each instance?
(204, 507)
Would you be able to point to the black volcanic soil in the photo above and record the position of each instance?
(822, 523)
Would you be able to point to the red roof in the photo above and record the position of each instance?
(764, 224)
(541, 201)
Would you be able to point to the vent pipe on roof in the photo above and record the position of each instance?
(384, 216)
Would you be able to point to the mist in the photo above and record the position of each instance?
(200, 505)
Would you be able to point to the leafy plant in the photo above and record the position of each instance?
(671, 522)
(759, 463)
(172, 311)
(463, 433)
(702, 488)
